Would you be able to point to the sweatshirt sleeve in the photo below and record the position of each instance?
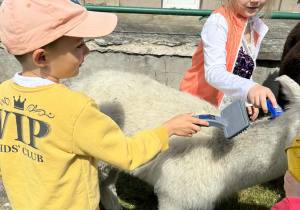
(214, 38)
(95, 134)
(288, 203)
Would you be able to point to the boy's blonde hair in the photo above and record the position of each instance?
(48, 47)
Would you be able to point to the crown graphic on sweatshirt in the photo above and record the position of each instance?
(18, 104)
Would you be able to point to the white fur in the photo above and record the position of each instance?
(196, 172)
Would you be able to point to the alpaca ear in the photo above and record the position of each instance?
(290, 88)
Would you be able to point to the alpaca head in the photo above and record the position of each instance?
(290, 119)
(290, 62)
(291, 90)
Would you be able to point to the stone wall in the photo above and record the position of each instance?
(290, 6)
(278, 6)
(161, 46)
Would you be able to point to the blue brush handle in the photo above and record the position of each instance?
(213, 120)
(275, 112)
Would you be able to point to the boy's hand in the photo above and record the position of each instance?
(258, 96)
(184, 125)
(291, 185)
(253, 112)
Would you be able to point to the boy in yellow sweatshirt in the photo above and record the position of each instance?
(50, 136)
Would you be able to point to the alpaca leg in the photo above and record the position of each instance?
(166, 202)
(108, 176)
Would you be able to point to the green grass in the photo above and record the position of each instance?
(259, 197)
(137, 195)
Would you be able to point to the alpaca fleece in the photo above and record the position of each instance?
(196, 172)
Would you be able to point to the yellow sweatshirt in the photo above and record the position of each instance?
(50, 140)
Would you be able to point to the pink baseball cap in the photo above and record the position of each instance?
(26, 25)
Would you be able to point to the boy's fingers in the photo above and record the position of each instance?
(191, 114)
(198, 121)
(201, 122)
(196, 128)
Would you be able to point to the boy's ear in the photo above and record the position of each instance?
(39, 58)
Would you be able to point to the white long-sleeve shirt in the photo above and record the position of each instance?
(214, 38)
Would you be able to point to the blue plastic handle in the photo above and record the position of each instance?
(213, 120)
(275, 112)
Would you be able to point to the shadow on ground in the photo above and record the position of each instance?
(138, 195)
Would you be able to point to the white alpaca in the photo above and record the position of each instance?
(196, 172)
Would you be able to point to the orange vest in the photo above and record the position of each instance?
(194, 79)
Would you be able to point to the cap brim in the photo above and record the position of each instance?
(96, 24)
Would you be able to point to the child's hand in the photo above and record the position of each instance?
(253, 112)
(291, 185)
(258, 96)
(184, 125)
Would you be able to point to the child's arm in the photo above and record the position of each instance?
(214, 38)
(291, 185)
(292, 192)
(258, 95)
(97, 135)
(184, 125)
